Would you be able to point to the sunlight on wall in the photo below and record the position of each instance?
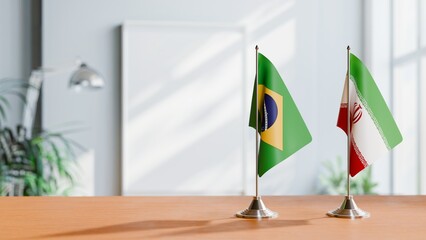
(283, 38)
(188, 102)
(203, 53)
(406, 115)
(265, 13)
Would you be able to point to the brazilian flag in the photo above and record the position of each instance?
(281, 127)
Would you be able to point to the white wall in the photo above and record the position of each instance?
(305, 39)
(394, 57)
(15, 47)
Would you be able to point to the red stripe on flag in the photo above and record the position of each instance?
(358, 162)
(342, 120)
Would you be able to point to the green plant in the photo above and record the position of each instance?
(35, 166)
(333, 181)
(41, 164)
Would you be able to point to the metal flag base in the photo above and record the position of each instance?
(257, 209)
(349, 209)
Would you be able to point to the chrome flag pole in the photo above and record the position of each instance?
(348, 209)
(257, 208)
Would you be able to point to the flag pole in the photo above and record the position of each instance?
(348, 183)
(257, 208)
(257, 123)
(348, 209)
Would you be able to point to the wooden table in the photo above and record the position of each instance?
(301, 217)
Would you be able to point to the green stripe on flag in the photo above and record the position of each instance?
(372, 99)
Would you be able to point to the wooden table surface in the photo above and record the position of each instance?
(301, 217)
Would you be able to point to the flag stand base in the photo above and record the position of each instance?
(257, 209)
(349, 209)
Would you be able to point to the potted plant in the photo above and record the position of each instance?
(40, 164)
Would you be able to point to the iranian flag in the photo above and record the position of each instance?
(373, 129)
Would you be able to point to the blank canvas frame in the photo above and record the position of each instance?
(183, 108)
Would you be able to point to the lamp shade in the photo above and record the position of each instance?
(86, 77)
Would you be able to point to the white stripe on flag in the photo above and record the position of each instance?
(365, 133)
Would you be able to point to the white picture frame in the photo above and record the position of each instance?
(169, 148)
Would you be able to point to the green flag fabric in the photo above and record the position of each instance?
(280, 125)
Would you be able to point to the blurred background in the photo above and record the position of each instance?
(173, 81)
